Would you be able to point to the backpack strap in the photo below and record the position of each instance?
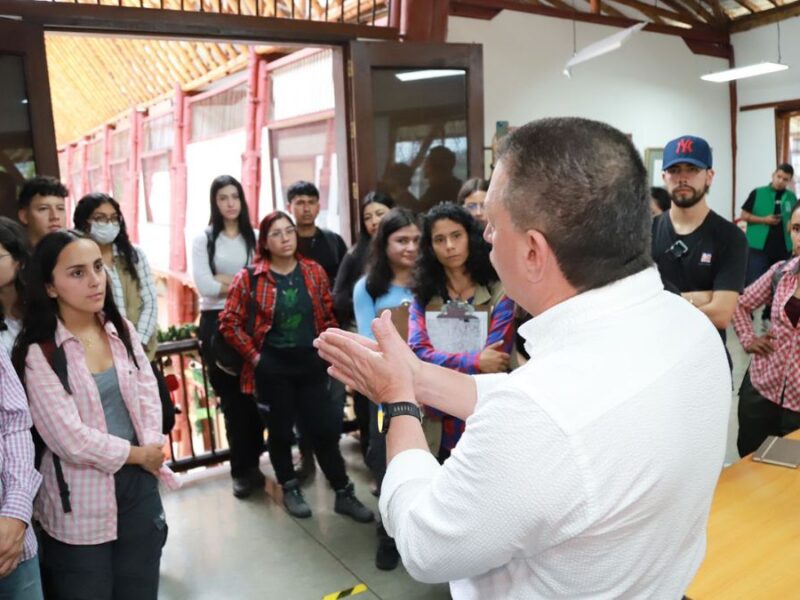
(57, 359)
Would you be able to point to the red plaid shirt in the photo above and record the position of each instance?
(233, 318)
(776, 375)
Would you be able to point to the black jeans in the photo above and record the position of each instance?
(242, 423)
(361, 409)
(292, 386)
(125, 569)
(759, 418)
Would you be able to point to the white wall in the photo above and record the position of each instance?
(650, 88)
(756, 156)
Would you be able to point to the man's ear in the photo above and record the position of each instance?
(537, 256)
(22, 215)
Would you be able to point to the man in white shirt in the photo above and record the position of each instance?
(589, 471)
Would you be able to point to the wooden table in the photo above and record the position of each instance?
(753, 535)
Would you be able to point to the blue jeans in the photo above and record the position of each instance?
(24, 583)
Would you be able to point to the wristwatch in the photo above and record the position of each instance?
(396, 409)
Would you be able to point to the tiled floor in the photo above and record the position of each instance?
(221, 548)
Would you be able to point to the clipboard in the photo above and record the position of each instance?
(399, 317)
(458, 327)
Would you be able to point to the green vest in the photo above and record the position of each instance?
(765, 206)
(133, 302)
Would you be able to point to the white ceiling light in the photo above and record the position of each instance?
(428, 74)
(762, 68)
(742, 72)
(600, 47)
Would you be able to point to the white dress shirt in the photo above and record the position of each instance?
(586, 473)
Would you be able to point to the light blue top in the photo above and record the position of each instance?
(366, 308)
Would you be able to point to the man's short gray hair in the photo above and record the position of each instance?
(583, 185)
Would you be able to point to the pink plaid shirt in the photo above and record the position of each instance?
(769, 373)
(19, 481)
(74, 428)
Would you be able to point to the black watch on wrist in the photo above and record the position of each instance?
(396, 409)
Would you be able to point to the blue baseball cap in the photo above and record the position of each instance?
(687, 149)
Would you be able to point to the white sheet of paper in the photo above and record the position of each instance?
(456, 335)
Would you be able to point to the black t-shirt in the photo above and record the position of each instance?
(715, 255)
(775, 246)
(325, 247)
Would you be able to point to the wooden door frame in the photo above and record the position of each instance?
(27, 41)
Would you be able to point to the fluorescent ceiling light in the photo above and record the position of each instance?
(604, 46)
(742, 72)
(428, 74)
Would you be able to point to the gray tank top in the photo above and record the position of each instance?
(118, 419)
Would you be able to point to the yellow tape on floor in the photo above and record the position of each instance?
(359, 589)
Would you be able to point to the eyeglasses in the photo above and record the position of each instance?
(677, 250)
(280, 233)
(104, 220)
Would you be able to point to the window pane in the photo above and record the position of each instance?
(158, 133)
(219, 113)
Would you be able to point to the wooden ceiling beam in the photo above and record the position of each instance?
(699, 30)
(765, 17)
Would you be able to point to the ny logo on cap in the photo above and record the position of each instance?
(685, 146)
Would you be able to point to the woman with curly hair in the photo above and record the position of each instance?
(454, 267)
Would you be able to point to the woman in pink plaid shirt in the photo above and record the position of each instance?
(769, 397)
(104, 542)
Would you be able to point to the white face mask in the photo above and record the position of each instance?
(104, 233)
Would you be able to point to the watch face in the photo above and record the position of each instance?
(381, 419)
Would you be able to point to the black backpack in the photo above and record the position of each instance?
(57, 360)
(222, 353)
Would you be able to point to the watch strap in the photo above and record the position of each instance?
(396, 409)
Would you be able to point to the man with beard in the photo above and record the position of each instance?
(700, 255)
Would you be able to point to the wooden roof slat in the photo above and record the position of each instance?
(684, 10)
(141, 64)
(655, 12)
(720, 15)
(700, 9)
(765, 17)
(749, 5)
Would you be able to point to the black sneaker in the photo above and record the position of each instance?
(347, 504)
(386, 557)
(293, 500)
(242, 487)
